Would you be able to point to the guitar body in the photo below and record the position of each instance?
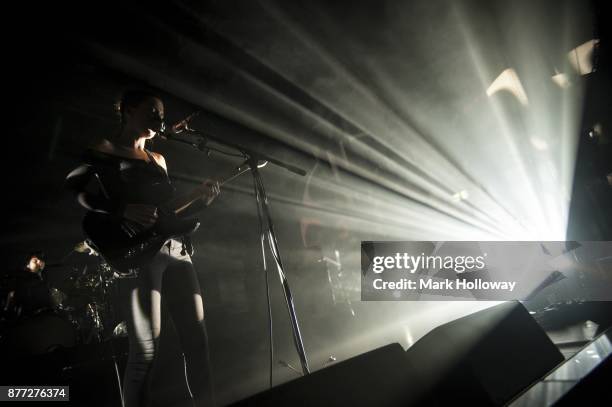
(127, 249)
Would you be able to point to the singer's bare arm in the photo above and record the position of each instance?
(160, 160)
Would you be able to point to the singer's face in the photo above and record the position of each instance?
(146, 118)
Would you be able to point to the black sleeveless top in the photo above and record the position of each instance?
(122, 180)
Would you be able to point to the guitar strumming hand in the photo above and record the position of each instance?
(142, 215)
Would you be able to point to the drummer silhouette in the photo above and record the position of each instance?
(29, 291)
(34, 326)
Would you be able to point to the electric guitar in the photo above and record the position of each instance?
(127, 246)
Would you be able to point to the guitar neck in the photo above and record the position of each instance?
(179, 204)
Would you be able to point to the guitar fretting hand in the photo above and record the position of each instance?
(211, 190)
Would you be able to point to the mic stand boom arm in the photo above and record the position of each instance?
(249, 153)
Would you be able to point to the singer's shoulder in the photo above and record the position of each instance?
(106, 148)
(103, 146)
(103, 150)
(100, 151)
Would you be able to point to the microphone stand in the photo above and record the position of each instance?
(267, 231)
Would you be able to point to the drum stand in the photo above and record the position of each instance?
(104, 283)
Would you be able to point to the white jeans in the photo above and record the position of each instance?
(184, 300)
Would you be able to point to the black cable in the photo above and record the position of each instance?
(273, 244)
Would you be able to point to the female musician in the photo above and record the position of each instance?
(121, 178)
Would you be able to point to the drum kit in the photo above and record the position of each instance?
(79, 312)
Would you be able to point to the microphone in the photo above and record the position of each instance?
(176, 128)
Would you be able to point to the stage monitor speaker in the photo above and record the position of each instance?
(377, 378)
(486, 358)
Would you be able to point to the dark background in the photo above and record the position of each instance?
(65, 65)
